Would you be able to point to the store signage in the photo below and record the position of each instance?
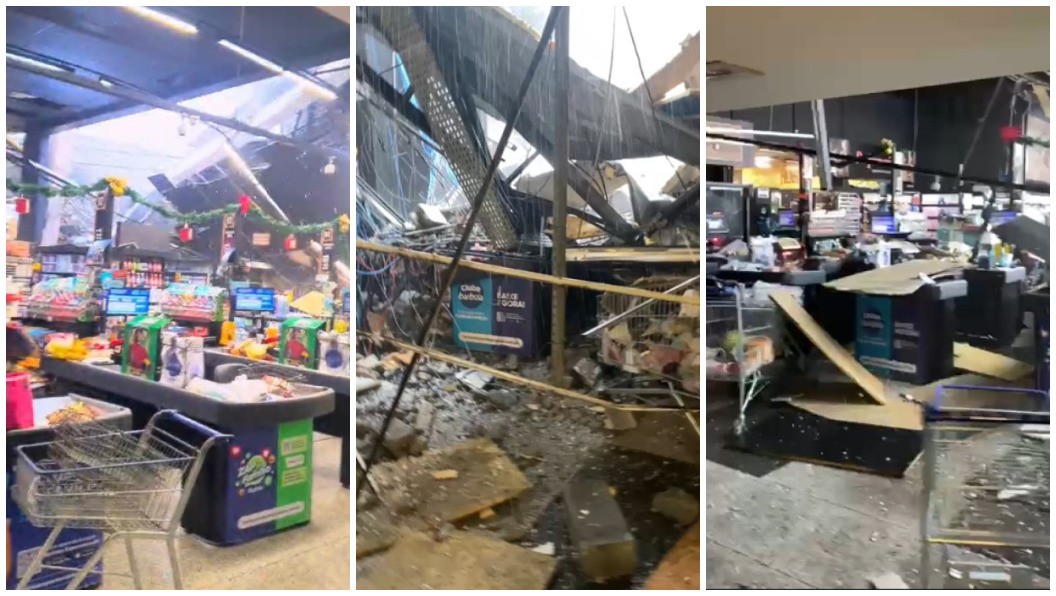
(494, 314)
(261, 239)
(104, 215)
(227, 234)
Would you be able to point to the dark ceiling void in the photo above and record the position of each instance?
(114, 44)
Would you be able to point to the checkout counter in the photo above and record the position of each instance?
(260, 483)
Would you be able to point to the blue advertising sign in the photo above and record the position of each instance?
(254, 300)
(494, 314)
(129, 302)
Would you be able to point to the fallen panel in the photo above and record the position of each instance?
(485, 477)
(464, 561)
(680, 568)
(897, 280)
(990, 364)
(844, 360)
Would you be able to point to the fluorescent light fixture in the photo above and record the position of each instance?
(20, 95)
(163, 19)
(105, 83)
(763, 161)
(37, 63)
(244, 169)
(311, 86)
(268, 64)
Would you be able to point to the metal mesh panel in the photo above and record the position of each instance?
(400, 29)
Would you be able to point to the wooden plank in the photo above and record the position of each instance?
(869, 383)
(897, 280)
(486, 477)
(464, 561)
(680, 567)
(989, 364)
(512, 378)
(632, 255)
(529, 275)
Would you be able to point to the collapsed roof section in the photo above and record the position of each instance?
(475, 78)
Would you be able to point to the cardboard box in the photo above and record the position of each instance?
(299, 341)
(142, 347)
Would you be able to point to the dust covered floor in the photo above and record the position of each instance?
(312, 557)
(780, 525)
(552, 442)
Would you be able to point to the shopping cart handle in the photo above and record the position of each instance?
(942, 388)
(192, 424)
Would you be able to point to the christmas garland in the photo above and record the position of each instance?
(245, 205)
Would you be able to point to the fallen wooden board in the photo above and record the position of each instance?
(668, 435)
(464, 561)
(680, 567)
(899, 413)
(844, 360)
(894, 414)
(989, 364)
(897, 280)
(486, 477)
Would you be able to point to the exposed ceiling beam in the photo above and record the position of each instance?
(341, 13)
(164, 104)
(683, 68)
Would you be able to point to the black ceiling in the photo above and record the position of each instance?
(121, 46)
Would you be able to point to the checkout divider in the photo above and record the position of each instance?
(258, 484)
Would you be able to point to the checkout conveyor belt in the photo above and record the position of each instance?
(336, 424)
(108, 378)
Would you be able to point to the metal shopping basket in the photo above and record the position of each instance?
(131, 485)
(985, 519)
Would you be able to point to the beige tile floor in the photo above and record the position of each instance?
(317, 556)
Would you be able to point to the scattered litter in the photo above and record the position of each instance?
(445, 474)
(545, 549)
(1015, 491)
(888, 581)
(588, 370)
(473, 379)
(365, 385)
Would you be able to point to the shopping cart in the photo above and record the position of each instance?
(741, 339)
(131, 485)
(985, 487)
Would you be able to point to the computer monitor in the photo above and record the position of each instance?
(127, 302)
(884, 224)
(254, 300)
(786, 218)
(1002, 217)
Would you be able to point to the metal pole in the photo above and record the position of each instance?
(164, 104)
(821, 138)
(560, 268)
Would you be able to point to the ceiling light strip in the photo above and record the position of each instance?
(163, 19)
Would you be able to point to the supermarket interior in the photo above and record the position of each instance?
(177, 290)
(877, 325)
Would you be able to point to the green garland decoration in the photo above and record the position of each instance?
(195, 218)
